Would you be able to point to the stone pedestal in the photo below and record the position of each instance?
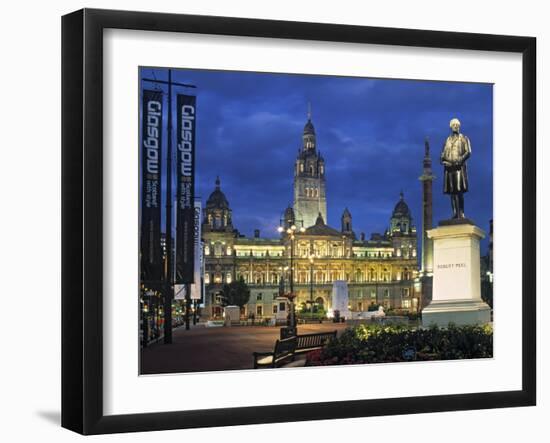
(456, 295)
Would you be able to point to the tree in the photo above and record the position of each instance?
(236, 293)
(487, 292)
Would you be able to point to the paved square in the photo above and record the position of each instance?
(216, 349)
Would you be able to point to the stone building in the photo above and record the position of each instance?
(379, 270)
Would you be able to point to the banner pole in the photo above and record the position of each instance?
(168, 276)
(187, 306)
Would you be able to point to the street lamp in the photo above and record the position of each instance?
(311, 284)
(291, 233)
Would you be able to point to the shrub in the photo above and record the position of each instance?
(397, 343)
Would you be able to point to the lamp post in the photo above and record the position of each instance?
(290, 330)
(311, 285)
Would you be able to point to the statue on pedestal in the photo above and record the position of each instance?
(455, 152)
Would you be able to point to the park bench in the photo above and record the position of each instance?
(311, 342)
(282, 353)
(286, 349)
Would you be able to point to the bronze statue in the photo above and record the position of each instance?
(455, 152)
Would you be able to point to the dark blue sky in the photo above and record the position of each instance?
(370, 131)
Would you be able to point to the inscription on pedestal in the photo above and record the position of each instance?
(451, 265)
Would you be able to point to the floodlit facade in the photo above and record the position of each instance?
(379, 270)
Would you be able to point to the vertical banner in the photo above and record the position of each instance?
(185, 176)
(179, 292)
(151, 150)
(196, 288)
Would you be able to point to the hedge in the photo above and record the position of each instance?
(397, 343)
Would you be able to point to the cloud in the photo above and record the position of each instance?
(370, 131)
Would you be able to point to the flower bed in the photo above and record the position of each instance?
(396, 343)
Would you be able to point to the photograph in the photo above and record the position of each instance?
(293, 220)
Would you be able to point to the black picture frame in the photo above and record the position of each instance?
(82, 215)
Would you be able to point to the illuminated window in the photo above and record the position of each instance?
(206, 250)
(207, 278)
(406, 304)
(229, 250)
(228, 278)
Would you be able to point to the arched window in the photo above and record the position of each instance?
(372, 274)
(217, 222)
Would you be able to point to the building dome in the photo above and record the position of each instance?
(401, 208)
(289, 215)
(217, 199)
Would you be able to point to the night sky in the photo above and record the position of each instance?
(370, 131)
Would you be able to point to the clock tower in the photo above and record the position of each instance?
(309, 179)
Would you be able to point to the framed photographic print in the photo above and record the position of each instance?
(252, 207)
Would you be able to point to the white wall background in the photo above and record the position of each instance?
(30, 218)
